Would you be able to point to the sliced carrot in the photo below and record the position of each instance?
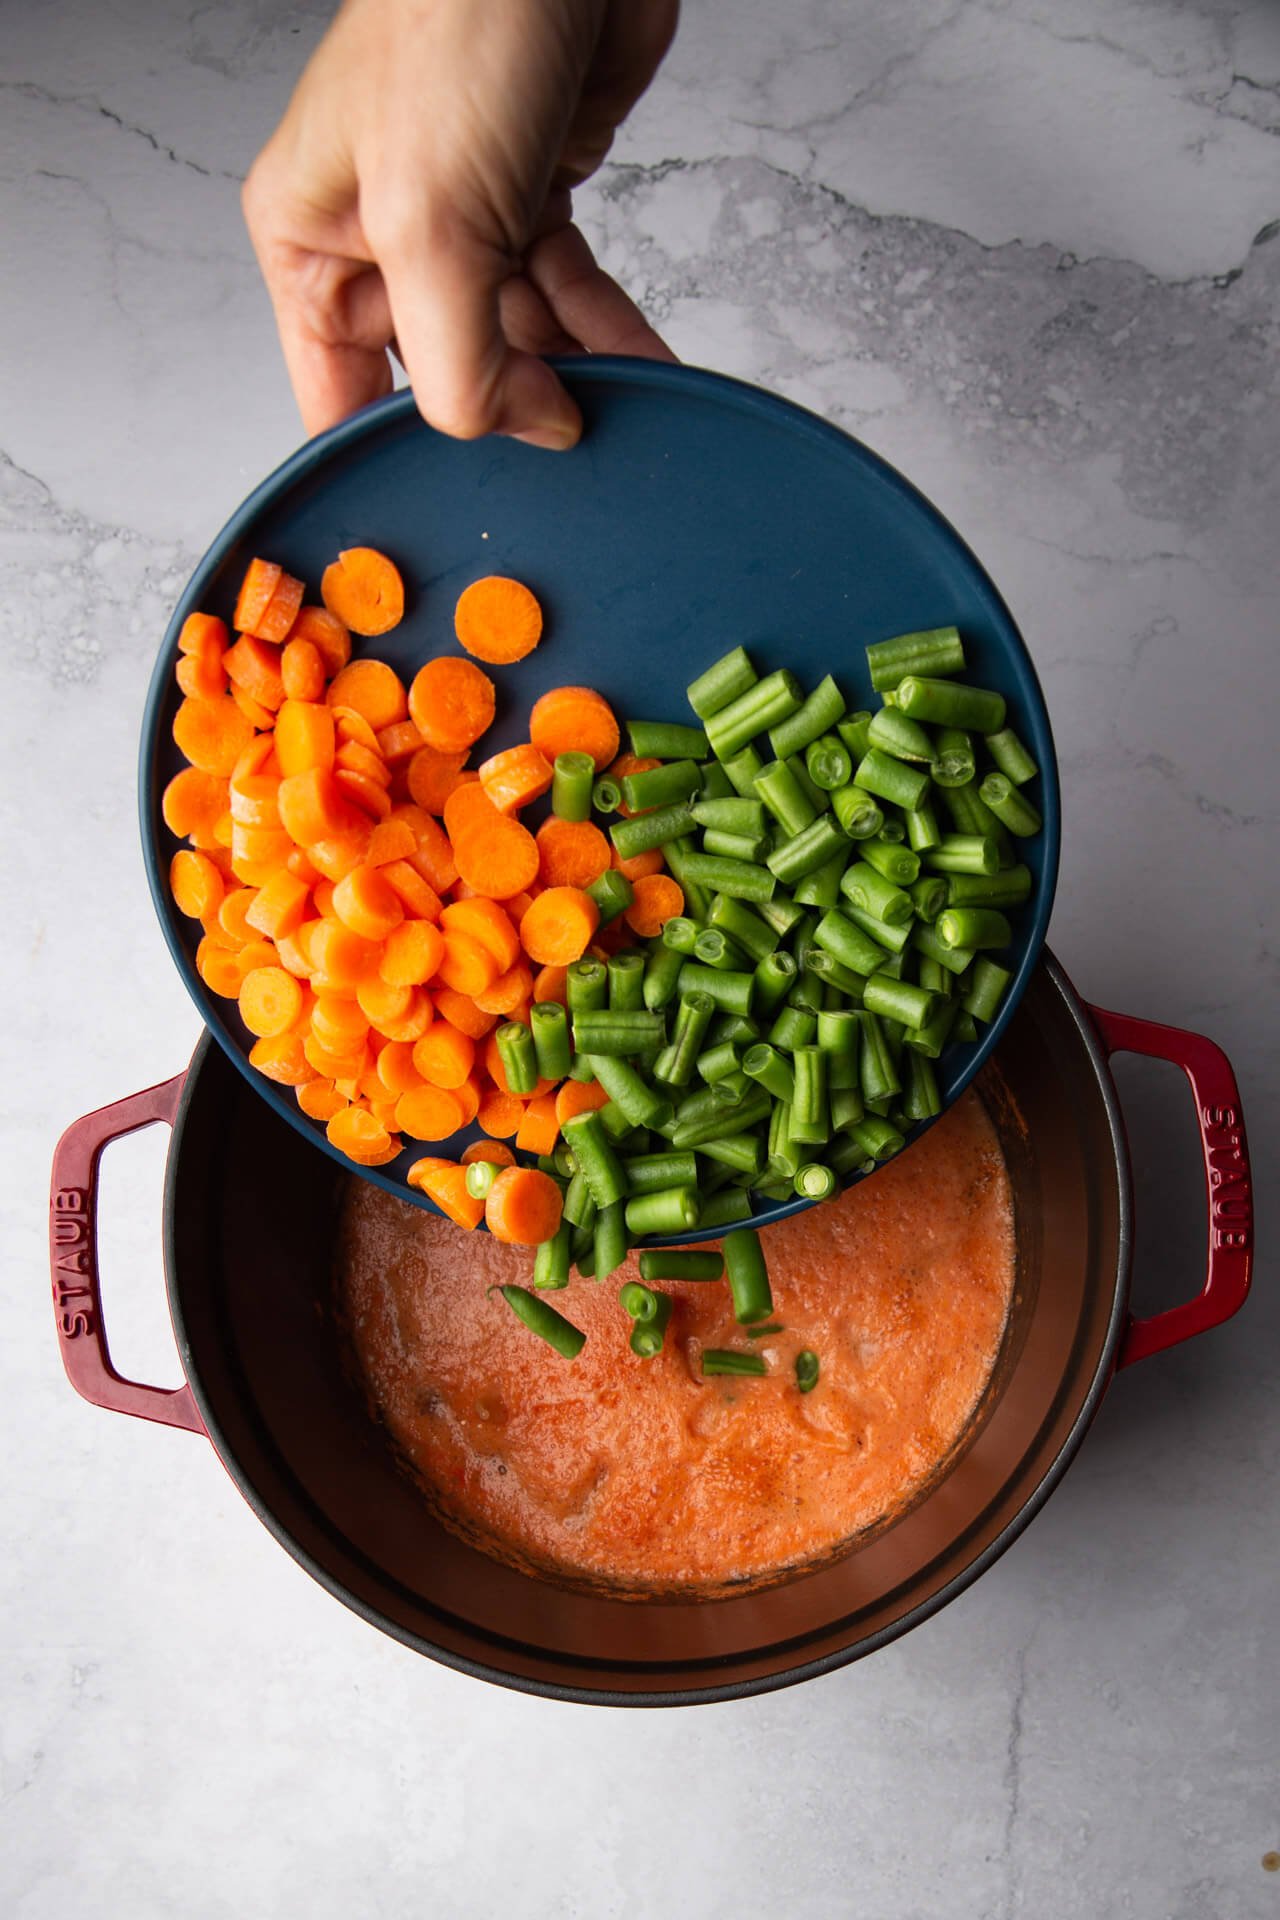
(361, 1137)
(335, 858)
(313, 807)
(351, 725)
(354, 757)
(434, 859)
(551, 983)
(418, 895)
(461, 1011)
(451, 703)
(320, 1099)
(399, 742)
(256, 852)
(559, 925)
(291, 957)
(340, 955)
(233, 912)
(395, 1069)
(365, 901)
(469, 812)
(498, 620)
(518, 905)
(365, 793)
(523, 1207)
(571, 853)
(575, 720)
(261, 579)
(254, 666)
(516, 778)
(253, 710)
(630, 763)
(334, 1066)
(540, 1128)
(195, 883)
(499, 1116)
(497, 1073)
(302, 670)
(202, 632)
(412, 953)
(429, 1113)
(434, 775)
(219, 967)
(304, 736)
(486, 922)
(281, 609)
(339, 1025)
(391, 840)
(578, 1096)
(325, 632)
(497, 861)
(491, 1150)
(270, 1001)
(255, 799)
(364, 589)
(302, 867)
(373, 690)
(466, 965)
(382, 1004)
(640, 865)
(280, 1057)
(656, 899)
(278, 906)
(212, 734)
(509, 991)
(413, 1023)
(192, 803)
(444, 1057)
(201, 676)
(445, 1182)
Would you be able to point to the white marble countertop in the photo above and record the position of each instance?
(1029, 253)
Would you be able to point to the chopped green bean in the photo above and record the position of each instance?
(723, 682)
(481, 1175)
(764, 705)
(765, 1064)
(953, 763)
(964, 853)
(586, 986)
(950, 703)
(550, 1027)
(718, 1063)
(828, 762)
(920, 1097)
(516, 1052)
(740, 879)
(923, 830)
(973, 928)
(892, 859)
(898, 1000)
(986, 989)
(543, 1320)
(893, 733)
(606, 795)
(822, 710)
(742, 768)
(742, 1151)
(858, 813)
(878, 1077)
(1010, 807)
(846, 942)
(667, 740)
(644, 831)
(579, 1207)
(612, 894)
(572, 778)
(748, 1276)
(630, 1092)
(612, 1240)
(877, 1138)
(838, 1036)
(693, 1017)
(618, 1034)
(821, 888)
(552, 1260)
(1008, 888)
(1011, 757)
(723, 1360)
(810, 1122)
(733, 992)
(785, 798)
(734, 815)
(671, 1210)
(890, 779)
(937, 651)
(663, 785)
(794, 1027)
(807, 851)
(596, 1158)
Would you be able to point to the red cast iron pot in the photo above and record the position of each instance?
(249, 1209)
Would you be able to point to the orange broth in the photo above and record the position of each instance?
(638, 1472)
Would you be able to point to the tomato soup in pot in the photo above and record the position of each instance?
(641, 1475)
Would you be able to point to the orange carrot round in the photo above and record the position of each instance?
(486, 922)
(491, 1150)
(539, 1129)
(451, 703)
(391, 840)
(559, 925)
(202, 633)
(254, 665)
(466, 965)
(212, 734)
(500, 1116)
(326, 633)
(418, 895)
(382, 1004)
(338, 1024)
(395, 1068)
(498, 620)
(270, 1000)
(509, 991)
(516, 778)
(366, 794)
(280, 1058)
(656, 898)
(444, 1057)
(371, 689)
(571, 853)
(361, 1137)
(320, 1099)
(461, 1011)
(577, 1096)
(523, 1207)
(302, 670)
(195, 883)
(433, 775)
(640, 865)
(201, 676)
(575, 720)
(429, 1113)
(414, 1022)
(281, 609)
(551, 983)
(399, 742)
(365, 901)
(412, 953)
(445, 1182)
(364, 590)
(193, 801)
(260, 581)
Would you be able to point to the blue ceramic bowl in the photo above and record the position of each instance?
(697, 513)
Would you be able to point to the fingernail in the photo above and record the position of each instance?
(556, 436)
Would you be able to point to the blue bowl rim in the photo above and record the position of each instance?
(591, 370)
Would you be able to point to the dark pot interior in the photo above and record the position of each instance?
(249, 1213)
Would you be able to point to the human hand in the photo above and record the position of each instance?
(416, 198)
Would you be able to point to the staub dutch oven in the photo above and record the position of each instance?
(248, 1217)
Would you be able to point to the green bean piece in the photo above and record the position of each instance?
(1011, 757)
(662, 786)
(626, 971)
(781, 913)
(986, 989)
(748, 1276)
(949, 703)
(814, 1181)
(839, 1036)
(714, 948)
(740, 879)
(765, 705)
(846, 942)
(1010, 807)
(553, 1259)
(892, 859)
(742, 1151)
(953, 763)
(785, 798)
(653, 1172)
(480, 1176)
(743, 925)
(821, 888)
(639, 1302)
(929, 895)
(566, 1165)
(964, 853)
(807, 851)
(731, 1088)
(680, 933)
(612, 894)
(810, 1121)
(877, 1076)
(771, 1326)
(855, 733)
(612, 1242)
(899, 1000)
(725, 1209)
(630, 1092)
(667, 740)
(973, 928)
(734, 815)
(579, 1207)
(693, 1017)
(895, 966)
(723, 1360)
(670, 1210)
(716, 784)
(718, 1063)
(730, 677)
(920, 1097)
(923, 830)
(794, 1027)
(893, 939)
(773, 978)
(846, 1157)
(644, 831)
(893, 733)
(606, 795)
(618, 1034)
(964, 1027)
(893, 833)
(584, 1252)
(735, 846)
(821, 711)
(840, 984)
(858, 813)
(937, 651)
(889, 779)
(676, 1263)
(696, 898)
(741, 769)
(712, 1125)
(969, 812)
(543, 1320)
(733, 992)
(828, 762)
(932, 1037)
(808, 1367)
(621, 1130)
(954, 959)
(516, 1052)
(765, 1064)
(572, 778)
(863, 886)
(647, 1337)
(586, 986)
(933, 978)
(847, 1105)
(877, 1137)
(733, 1027)
(596, 1158)
(1008, 888)
(549, 1024)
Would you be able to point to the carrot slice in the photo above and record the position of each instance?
(233, 912)
(540, 1128)
(451, 703)
(551, 983)
(413, 1023)
(196, 885)
(445, 1182)
(365, 901)
(254, 666)
(523, 1207)
(575, 720)
(466, 965)
(281, 609)
(509, 991)
(444, 1057)
(336, 857)
(339, 1025)
(391, 840)
(256, 852)
(515, 778)
(279, 905)
(371, 689)
(500, 861)
(395, 1069)
(203, 632)
(433, 775)
(412, 954)
(500, 1116)
(201, 676)
(656, 899)
(320, 1099)
(498, 620)
(351, 725)
(372, 799)
(577, 1096)
(571, 853)
(302, 670)
(361, 1137)
(280, 1057)
(327, 633)
(382, 1004)
(418, 895)
(192, 803)
(261, 579)
(270, 1001)
(255, 799)
(354, 757)
(399, 742)
(491, 1150)
(212, 734)
(338, 954)
(429, 1113)
(434, 859)
(486, 922)
(469, 812)
(313, 807)
(304, 737)
(364, 590)
(255, 713)
(559, 925)
(461, 1011)
(640, 865)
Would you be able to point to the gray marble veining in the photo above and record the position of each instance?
(1031, 254)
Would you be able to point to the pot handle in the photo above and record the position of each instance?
(1228, 1182)
(73, 1260)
